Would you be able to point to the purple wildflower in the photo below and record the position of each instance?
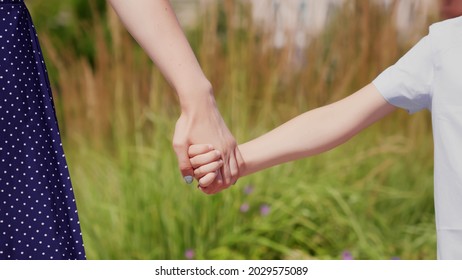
(189, 254)
(248, 189)
(265, 209)
(346, 255)
(244, 207)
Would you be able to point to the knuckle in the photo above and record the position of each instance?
(178, 145)
(216, 154)
(204, 182)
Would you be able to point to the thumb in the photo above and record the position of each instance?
(184, 164)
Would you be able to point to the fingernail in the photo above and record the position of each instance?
(188, 179)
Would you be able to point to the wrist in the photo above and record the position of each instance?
(248, 161)
(197, 97)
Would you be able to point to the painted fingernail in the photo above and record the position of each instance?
(188, 179)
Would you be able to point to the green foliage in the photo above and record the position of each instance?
(67, 21)
(363, 198)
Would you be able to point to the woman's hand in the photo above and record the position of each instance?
(154, 25)
(201, 122)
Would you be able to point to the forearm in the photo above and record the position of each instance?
(315, 131)
(155, 27)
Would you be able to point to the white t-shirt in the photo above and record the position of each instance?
(430, 76)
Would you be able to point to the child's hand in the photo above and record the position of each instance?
(206, 162)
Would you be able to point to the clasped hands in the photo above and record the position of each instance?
(202, 123)
(206, 162)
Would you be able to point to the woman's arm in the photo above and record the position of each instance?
(155, 27)
(315, 131)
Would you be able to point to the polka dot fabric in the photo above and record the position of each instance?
(38, 215)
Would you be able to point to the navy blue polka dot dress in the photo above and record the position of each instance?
(38, 215)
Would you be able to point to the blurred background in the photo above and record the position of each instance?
(268, 61)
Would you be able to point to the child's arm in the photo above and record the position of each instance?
(315, 131)
(308, 134)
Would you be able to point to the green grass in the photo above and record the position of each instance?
(372, 197)
(367, 197)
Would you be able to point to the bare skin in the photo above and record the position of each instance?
(155, 27)
(450, 8)
(308, 134)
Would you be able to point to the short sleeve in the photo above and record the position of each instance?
(408, 83)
